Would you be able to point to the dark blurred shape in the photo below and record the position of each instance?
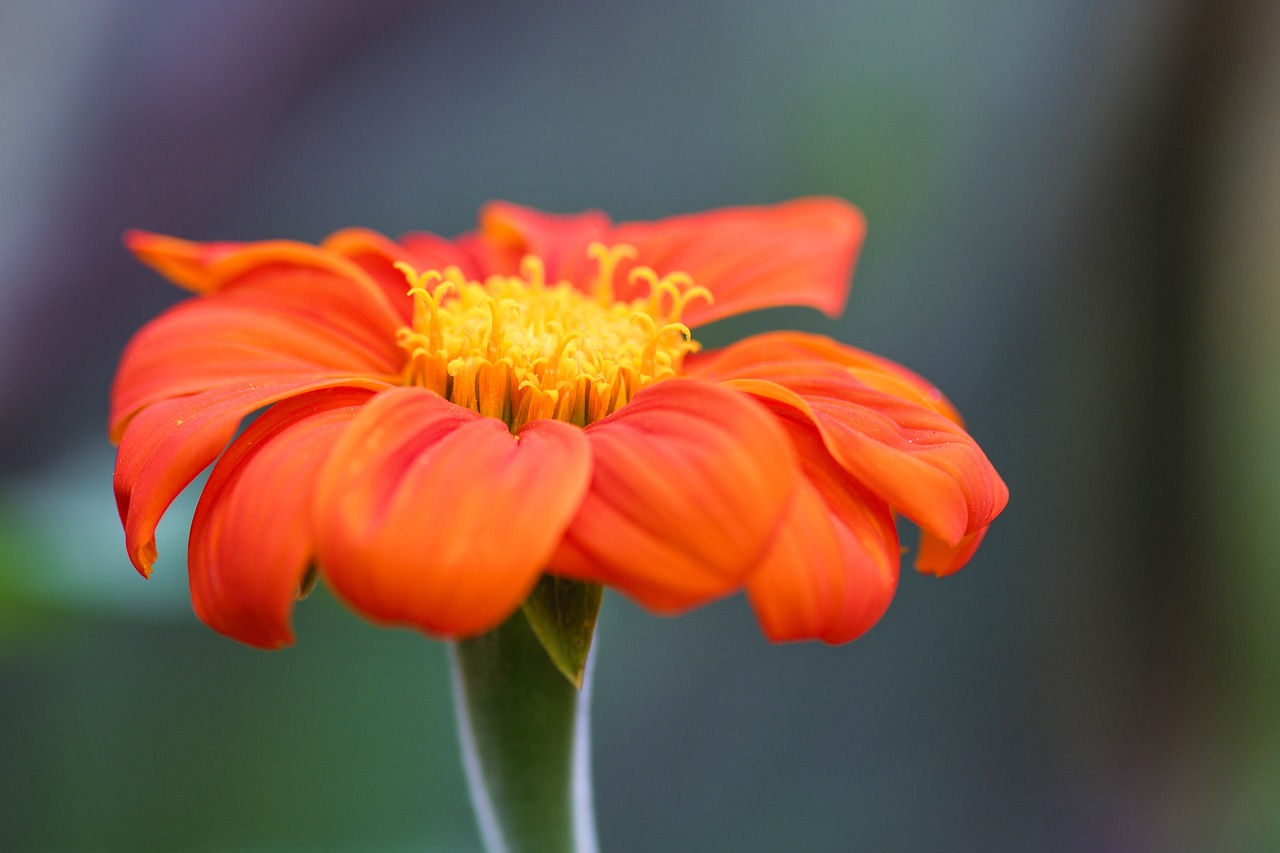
(173, 103)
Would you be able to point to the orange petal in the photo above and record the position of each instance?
(167, 444)
(377, 256)
(832, 568)
(878, 372)
(181, 261)
(690, 481)
(560, 240)
(922, 463)
(936, 557)
(433, 516)
(430, 251)
(288, 321)
(796, 253)
(251, 540)
(210, 267)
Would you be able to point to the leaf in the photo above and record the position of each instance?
(562, 613)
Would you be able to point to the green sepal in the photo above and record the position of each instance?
(562, 613)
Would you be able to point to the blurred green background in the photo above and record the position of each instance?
(1074, 231)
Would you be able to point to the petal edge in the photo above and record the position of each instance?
(690, 480)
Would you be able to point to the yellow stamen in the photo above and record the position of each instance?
(520, 349)
(534, 271)
(608, 257)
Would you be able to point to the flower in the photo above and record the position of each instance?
(535, 402)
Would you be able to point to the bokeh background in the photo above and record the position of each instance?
(1074, 230)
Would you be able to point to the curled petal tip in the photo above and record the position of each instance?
(182, 261)
(940, 558)
(144, 558)
(149, 245)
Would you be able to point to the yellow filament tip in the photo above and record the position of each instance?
(534, 271)
(608, 257)
(416, 280)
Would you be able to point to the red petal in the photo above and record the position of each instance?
(430, 251)
(167, 444)
(922, 463)
(251, 540)
(936, 557)
(377, 256)
(690, 481)
(432, 516)
(275, 320)
(797, 253)
(209, 267)
(878, 372)
(561, 241)
(832, 568)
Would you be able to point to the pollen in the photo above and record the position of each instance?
(520, 349)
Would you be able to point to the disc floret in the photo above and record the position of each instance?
(519, 349)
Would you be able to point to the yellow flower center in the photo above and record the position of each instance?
(519, 349)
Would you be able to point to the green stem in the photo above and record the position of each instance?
(525, 747)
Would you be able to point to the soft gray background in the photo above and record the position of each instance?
(1074, 213)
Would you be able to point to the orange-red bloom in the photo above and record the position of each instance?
(536, 402)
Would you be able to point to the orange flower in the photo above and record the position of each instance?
(536, 402)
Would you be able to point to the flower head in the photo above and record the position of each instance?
(443, 421)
